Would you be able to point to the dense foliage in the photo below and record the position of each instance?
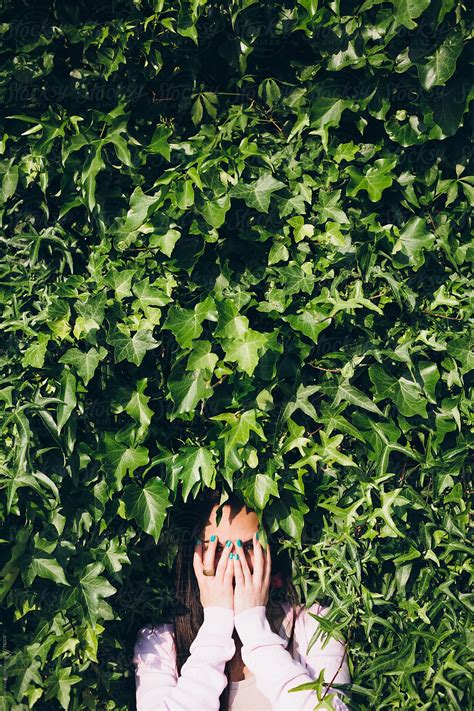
(236, 249)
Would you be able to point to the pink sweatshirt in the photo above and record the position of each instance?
(202, 679)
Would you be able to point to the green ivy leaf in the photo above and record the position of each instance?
(442, 64)
(462, 349)
(159, 141)
(36, 353)
(121, 459)
(47, 568)
(257, 195)
(374, 180)
(309, 322)
(329, 204)
(9, 183)
(67, 396)
(92, 167)
(214, 210)
(289, 511)
(187, 390)
(193, 465)
(247, 350)
(406, 394)
(349, 393)
(185, 324)
(326, 113)
(137, 407)
(237, 433)
(86, 363)
(414, 239)
(406, 11)
(147, 505)
(91, 589)
(127, 347)
(59, 685)
(258, 489)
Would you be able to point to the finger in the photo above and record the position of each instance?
(238, 572)
(222, 564)
(210, 552)
(197, 561)
(268, 565)
(258, 564)
(244, 566)
(229, 571)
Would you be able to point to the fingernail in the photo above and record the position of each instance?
(198, 541)
(239, 542)
(236, 556)
(256, 535)
(231, 555)
(228, 543)
(213, 537)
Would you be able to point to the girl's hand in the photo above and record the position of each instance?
(251, 590)
(215, 590)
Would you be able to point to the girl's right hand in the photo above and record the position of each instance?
(215, 590)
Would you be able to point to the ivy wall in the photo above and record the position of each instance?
(236, 250)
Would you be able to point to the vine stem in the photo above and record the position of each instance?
(330, 370)
(339, 667)
(451, 318)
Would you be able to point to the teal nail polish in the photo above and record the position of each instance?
(231, 555)
(256, 535)
(236, 556)
(228, 543)
(239, 542)
(198, 541)
(213, 537)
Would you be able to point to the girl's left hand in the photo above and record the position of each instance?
(251, 590)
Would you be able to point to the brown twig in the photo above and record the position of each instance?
(339, 667)
(218, 382)
(451, 318)
(330, 370)
(141, 249)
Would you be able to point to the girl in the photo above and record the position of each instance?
(241, 639)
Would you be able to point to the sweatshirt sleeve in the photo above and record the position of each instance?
(202, 679)
(276, 672)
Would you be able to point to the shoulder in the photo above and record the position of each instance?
(323, 641)
(154, 641)
(304, 613)
(310, 611)
(299, 616)
(307, 625)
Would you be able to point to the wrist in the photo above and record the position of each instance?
(221, 619)
(239, 609)
(251, 623)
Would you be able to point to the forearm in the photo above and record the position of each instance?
(202, 678)
(276, 672)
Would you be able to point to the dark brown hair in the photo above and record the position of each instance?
(188, 614)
